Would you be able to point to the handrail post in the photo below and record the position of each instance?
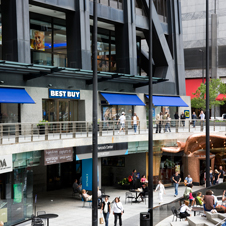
(17, 133)
(1, 134)
(87, 129)
(100, 128)
(177, 122)
(138, 125)
(214, 125)
(32, 132)
(189, 125)
(60, 129)
(74, 129)
(113, 128)
(126, 132)
(46, 131)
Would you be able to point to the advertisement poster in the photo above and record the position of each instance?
(187, 113)
(17, 189)
(37, 40)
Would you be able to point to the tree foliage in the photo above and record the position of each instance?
(216, 86)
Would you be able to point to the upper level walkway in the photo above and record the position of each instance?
(24, 137)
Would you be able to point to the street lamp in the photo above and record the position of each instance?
(201, 51)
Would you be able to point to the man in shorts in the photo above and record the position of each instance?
(122, 120)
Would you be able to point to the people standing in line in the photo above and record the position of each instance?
(158, 125)
(160, 187)
(194, 117)
(176, 180)
(106, 208)
(182, 117)
(216, 173)
(221, 175)
(202, 117)
(135, 122)
(117, 210)
(122, 120)
(183, 210)
(135, 176)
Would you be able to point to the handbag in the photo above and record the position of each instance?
(101, 220)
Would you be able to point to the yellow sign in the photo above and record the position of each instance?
(187, 113)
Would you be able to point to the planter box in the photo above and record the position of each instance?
(41, 130)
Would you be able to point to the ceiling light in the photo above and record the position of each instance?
(50, 85)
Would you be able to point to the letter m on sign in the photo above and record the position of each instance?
(3, 163)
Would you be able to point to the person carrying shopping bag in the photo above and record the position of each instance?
(106, 210)
(117, 210)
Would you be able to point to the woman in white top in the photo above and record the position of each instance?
(183, 210)
(117, 210)
(160, 187)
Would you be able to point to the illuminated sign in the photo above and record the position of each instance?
(64, 94)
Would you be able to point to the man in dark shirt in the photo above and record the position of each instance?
(221, 175)
(135, 176)
(76, 187)
(176, 180)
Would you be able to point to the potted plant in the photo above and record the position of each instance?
(41, 126)
(169, 164)
(125, 184)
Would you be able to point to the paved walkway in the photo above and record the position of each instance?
(71, 213)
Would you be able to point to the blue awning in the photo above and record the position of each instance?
(122, 99)
(15, 96)
(168, 101)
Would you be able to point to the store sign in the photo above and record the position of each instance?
(55, 156)
(64, 94)
(187, 113)
(6, 163)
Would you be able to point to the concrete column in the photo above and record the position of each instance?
(125, 35)
(214, 49)
(16, 31)
(78, 36)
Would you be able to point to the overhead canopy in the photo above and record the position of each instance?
(15, 96)
(168, 101)
(192, 84)
(122, 99)
(221, 97)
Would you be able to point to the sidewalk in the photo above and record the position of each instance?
(71, 213)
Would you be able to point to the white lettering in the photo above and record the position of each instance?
(52, 93)
(69, 94)
(57, 93)
(77, 94)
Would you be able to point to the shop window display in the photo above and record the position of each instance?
(48, 42)
(9, 113)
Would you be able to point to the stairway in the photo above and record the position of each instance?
(211, 219)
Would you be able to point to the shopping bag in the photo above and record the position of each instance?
(101, 220)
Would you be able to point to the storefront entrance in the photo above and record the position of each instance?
(60, 110)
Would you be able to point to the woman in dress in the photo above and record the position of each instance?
(160, 187)
(117, 210)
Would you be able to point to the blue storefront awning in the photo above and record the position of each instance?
(168, 101)
(15, 96)
(122, 99)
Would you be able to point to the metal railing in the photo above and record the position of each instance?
(29, 132)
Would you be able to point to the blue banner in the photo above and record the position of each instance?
(87, 174)
(64, 94)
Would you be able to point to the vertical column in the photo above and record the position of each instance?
(78, 36)
(125, 35)
(15, 31)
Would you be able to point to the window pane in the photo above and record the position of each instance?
(9, 113)
(40, 35)
(42, 58)
(60, 40)
(60, 60)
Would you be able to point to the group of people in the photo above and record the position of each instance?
(216, 177)
(134, 122)
(163, 121)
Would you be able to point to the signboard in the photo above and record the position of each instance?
(187, 113)
(64, 94)
(6, 163)
(104, 150)
(55, 156)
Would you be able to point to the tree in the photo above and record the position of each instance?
(216, 86)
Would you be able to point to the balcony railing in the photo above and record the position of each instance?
(11, 133)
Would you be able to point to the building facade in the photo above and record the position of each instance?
(46, 75)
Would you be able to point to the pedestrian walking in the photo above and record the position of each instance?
(122, 120)
(176, 180)
(194, 117)
(117, 210)
(182, 117)
(216, 173)
(168, 120)
(158, 124)
(202, 117)
(135, 122)
(106, 209)
(161, 189)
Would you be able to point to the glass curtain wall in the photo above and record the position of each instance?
(106, 50)
(48, 41)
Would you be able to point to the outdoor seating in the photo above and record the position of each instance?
(129, 195)
(84, 202)
(175, 213)
(40, 213)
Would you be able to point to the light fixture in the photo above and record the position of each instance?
(50, 85)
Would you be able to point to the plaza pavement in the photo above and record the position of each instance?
(71, 213)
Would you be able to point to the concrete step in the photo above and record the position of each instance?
(199, 221)
(179, 223)
(215, 217)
